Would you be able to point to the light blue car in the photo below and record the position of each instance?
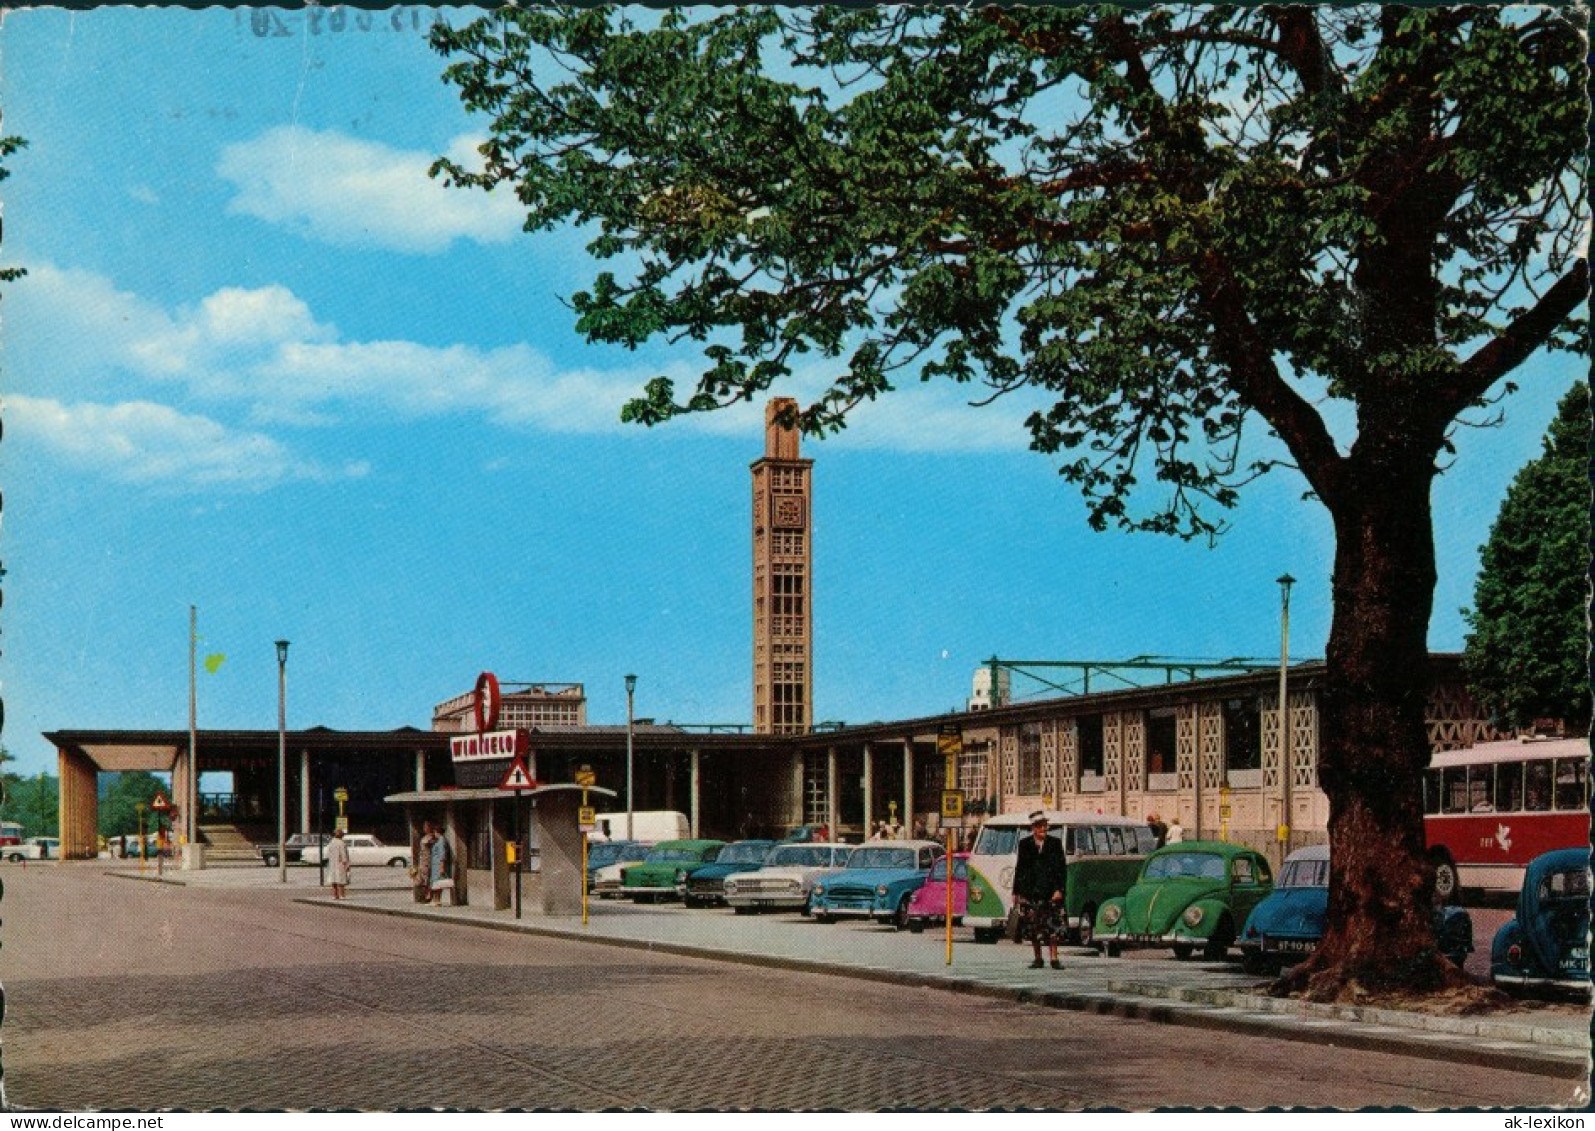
(878, 882)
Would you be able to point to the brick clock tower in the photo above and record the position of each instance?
(783, 627)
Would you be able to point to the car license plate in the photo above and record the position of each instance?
(1290, 946)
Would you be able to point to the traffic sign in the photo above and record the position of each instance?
(517, 778)
(160, 804)
(950, 745)
(585, 776)
(587, 818)
(952, 804)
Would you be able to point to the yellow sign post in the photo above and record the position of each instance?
(585, 818)
(950, 744)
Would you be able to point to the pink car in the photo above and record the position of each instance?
(929, 904)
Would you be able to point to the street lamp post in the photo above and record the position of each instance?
(282, 761)
(1285, 582)
(631, 688)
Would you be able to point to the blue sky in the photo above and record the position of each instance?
(263, 366)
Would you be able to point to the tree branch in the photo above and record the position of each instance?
(1510, 348)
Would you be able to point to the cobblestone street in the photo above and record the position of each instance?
(131, 995)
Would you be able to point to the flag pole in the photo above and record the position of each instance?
(191, 821)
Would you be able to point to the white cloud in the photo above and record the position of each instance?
(350, 192)
(148, 444)
(263, 351)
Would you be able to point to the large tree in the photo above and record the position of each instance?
(1528, 656)
(1172, 222)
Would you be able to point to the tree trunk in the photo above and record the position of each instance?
(1375, 743)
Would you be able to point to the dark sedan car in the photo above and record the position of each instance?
(706, 886)
(1546, 947)
(1288, 924)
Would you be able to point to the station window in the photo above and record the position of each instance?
(1160, 742)
(1243, 736)
(1089, 730)
(1029, 759)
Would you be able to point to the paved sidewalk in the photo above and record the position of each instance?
(1551, 1039)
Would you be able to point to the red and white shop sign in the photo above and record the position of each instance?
(494, 746)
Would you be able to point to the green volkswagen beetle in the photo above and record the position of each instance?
(1195, 893)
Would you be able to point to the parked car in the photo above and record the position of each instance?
(1194, 893)
(363, 849)
(1546, 946)
(1289, 923)
(929, 901)
(606, 880)
(293, 848)
(148, 848)
(34, 848)
(787, 878)
(1104, 856)
(877, 883)
(604, 853)
(807, 834)
(665, 868)
(706, 886)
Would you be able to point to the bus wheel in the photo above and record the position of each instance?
(987, 934)
(1447, 888)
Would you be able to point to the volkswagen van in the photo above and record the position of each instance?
(1103, 853)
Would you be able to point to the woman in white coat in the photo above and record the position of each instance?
(338, 866)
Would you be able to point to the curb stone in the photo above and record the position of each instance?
(1516, 1048)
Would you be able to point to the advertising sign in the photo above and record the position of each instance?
(495, 745)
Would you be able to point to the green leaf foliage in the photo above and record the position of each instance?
(1527, 656)
(1170, 222)
(119, 802)
(34, 802)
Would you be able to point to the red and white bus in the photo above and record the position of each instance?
(1490, 809)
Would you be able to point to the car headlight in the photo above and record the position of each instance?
(880, 889)
(731, 888)
(1111, 914)
(976, 893)
(1192, 916)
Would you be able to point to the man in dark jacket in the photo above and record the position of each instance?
(1038, 884)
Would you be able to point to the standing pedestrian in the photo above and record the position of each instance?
(440, 867)
(338, 866)
(421, 866)
(1159, 829)
(1038, 884)
(1176, 831)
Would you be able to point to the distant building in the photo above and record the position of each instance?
(525, 705)
(981, 696)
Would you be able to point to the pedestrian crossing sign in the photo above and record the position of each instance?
(952, 804)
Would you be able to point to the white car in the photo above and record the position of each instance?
(786, 879)
(34, 848)
(363, 849)
(606, 881)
